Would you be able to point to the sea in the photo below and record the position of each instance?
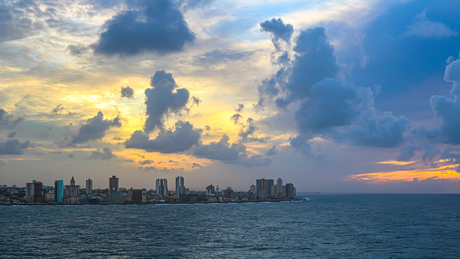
(321, 226)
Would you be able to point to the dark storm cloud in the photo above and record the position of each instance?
(12, 134)
(95, 128)
(14, 147)
(230, 154)
(279, 30)
(407, 153)
(272, 151)
(127, 92)
(15, 23)
(331, 104)
(162, 101)
(148, 26)
(315, 61)
(181, 139)
(104, 154)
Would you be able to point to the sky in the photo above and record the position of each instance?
(352, 96)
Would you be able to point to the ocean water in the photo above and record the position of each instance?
(326, 226)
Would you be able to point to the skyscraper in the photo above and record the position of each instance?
(38, 192)
(264, 187)
(89, 186)
(58, 191)
(113, 183)
(279, 186)
(162, 187)
(290, 192)
(180, 188)
(72, 192)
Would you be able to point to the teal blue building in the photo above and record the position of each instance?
(58, 191)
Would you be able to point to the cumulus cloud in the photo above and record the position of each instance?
(279, 31)
(148, 26)
(196, 100)
(181, 139)
(246, 133)
(301, 144)
(14, 147)
(12, 134)
(6, 120)
(425, 28)
(235, 117)
(230, 154)
(95, 128)
(196, 165)
(127, 92)
(240, 108)
(162, 100)
(104, 154)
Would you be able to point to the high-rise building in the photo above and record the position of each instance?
(58, 191)
(89, 186)
(140, 196)
(290, 191)
(210, 190)
(38, 192)
(30, 190)
(72, 192)
(162, 187)
(264, 187)
(279, 186)
(114, 183)
(180, 188)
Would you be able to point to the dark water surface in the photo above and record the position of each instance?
(327, 226)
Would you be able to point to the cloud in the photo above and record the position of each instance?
(105, 154)
(331, 104)
(218, 56)
(196, 165)
(240, 108)
(46, 133)
(230, 154)
(162, 101)
(427, 29)
(12, 134)
(272, 151)
(127, 92)
(386, 131)
(181, 139)
(95, 128)
(246, 134)
(196, 100)
(148, 26)
(146, 162)
(301, 144)
(6, 119)
(407, 153)
(129, 161)
(15, 23)
(14, 147)
(235, 117)
(279, 31)
(315, 60)
(58, 109)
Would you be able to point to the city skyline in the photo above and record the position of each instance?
(336, 96)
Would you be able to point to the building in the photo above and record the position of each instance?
(279, 186)
(117, 197)
(72, 192)
(252, 189)
(38, 192)
(162, 187)
(89, 186)
(58, 191)
(114, 183)
(210, 190)
(30, 190)
(140, 196)
(264, 187)
(290, 191)
(180, 188)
